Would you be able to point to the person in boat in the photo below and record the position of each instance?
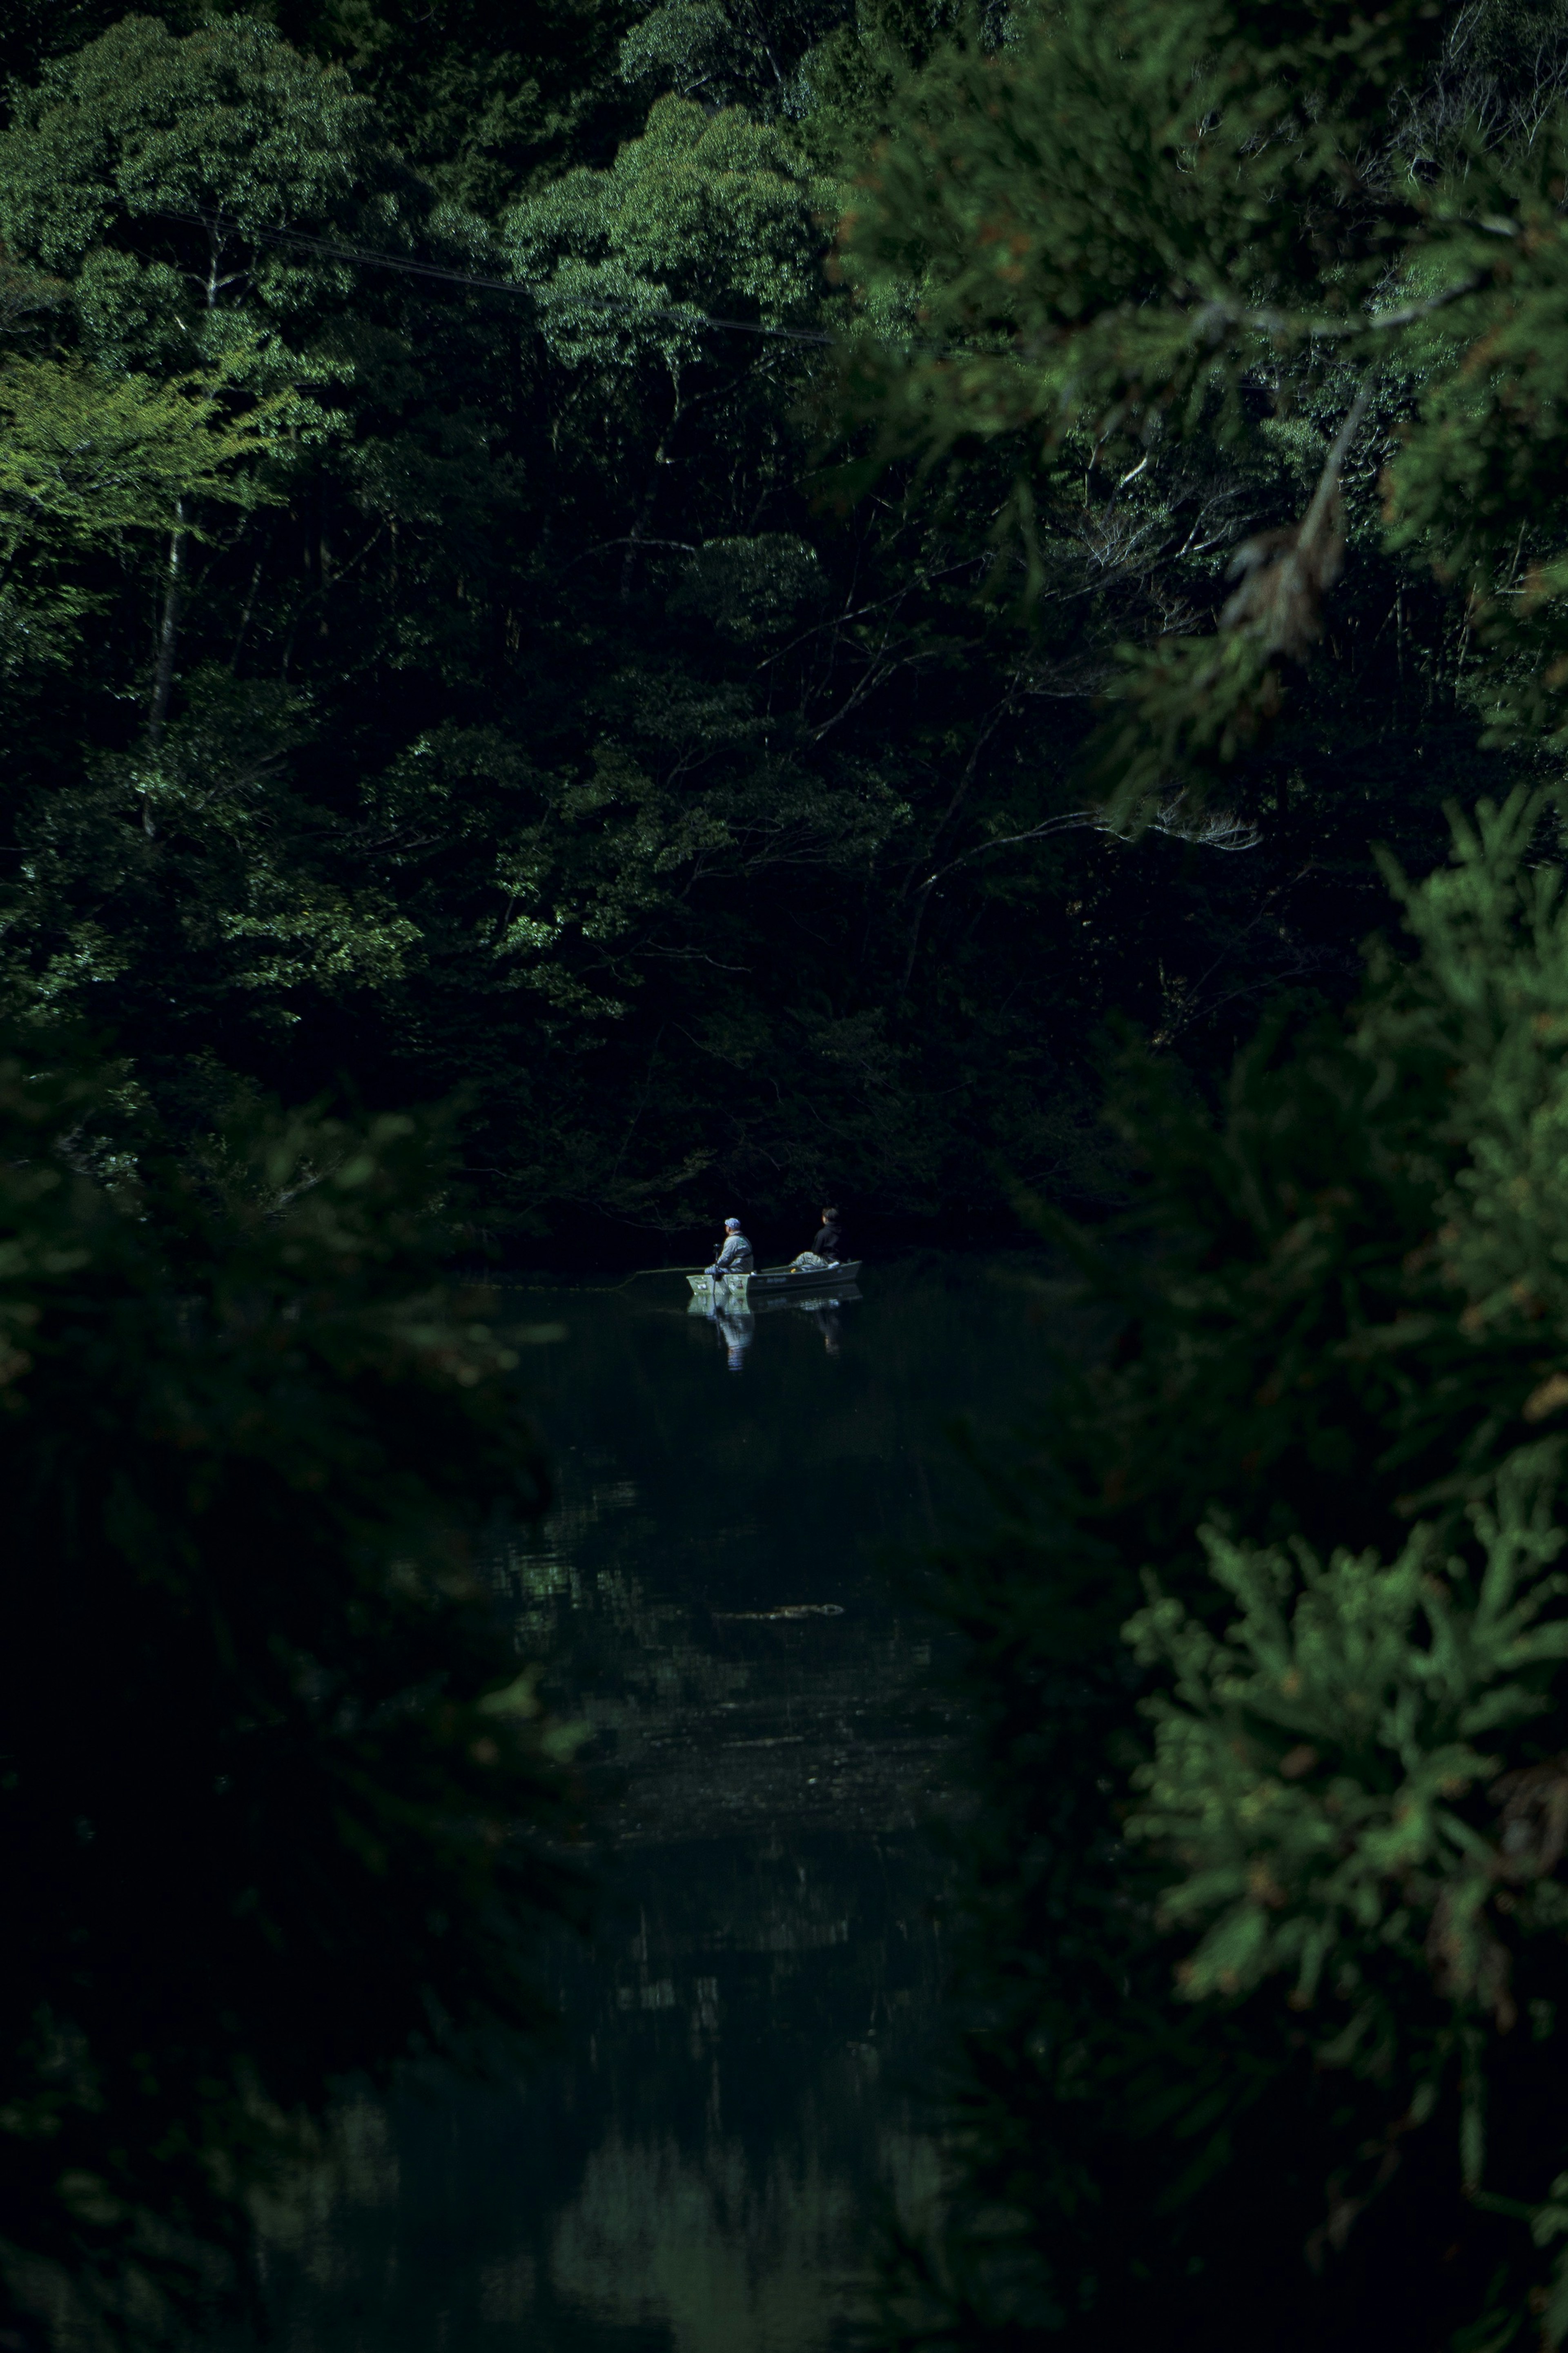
(826, 1250)
(735, 1253)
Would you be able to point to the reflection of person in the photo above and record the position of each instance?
(735, 1256)
(826, 1322)
(827, 1247)
(737, 1331)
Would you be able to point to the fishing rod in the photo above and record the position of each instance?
(500, 1283)
(641, 1270)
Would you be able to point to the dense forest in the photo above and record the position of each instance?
(963, 608)
(466, 631)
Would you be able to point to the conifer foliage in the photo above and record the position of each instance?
(1322, 229)
(1265, 1935)
(1265, 1932)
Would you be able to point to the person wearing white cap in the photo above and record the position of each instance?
(735, 1256)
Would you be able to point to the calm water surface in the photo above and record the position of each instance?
(704, 2167)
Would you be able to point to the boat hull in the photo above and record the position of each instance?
(771, 1280)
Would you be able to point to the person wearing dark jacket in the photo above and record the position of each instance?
(830, 1243)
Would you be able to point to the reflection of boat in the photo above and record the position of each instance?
(807, 1303)
(735, 1319)
(769, 1279)
(810, 1303)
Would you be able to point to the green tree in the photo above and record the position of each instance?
(90, 456)
(485, 100)
(184, 400)
(1259, 2029)
(272, 1775)
(550, 723)
(1279, 229)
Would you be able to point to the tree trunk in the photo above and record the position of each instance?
(168, 630)
(640, 526)
(175, 570)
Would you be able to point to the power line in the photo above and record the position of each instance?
(685, 315)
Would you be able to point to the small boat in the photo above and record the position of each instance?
(775, 1278)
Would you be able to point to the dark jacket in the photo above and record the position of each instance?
(830, 1243)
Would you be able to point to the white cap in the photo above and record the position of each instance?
(732, 1225)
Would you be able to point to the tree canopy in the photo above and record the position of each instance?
(721, 827)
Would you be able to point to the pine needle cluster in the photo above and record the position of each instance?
(1265, 1922)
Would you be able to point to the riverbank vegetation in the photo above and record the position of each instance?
(278, 1804)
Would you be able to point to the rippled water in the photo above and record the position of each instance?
(705, 2166)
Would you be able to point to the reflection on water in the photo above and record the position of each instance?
(735, 1324)
(703, 2166)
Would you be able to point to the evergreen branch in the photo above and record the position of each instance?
(1216, 313)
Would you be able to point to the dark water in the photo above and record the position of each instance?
(705, 2166)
